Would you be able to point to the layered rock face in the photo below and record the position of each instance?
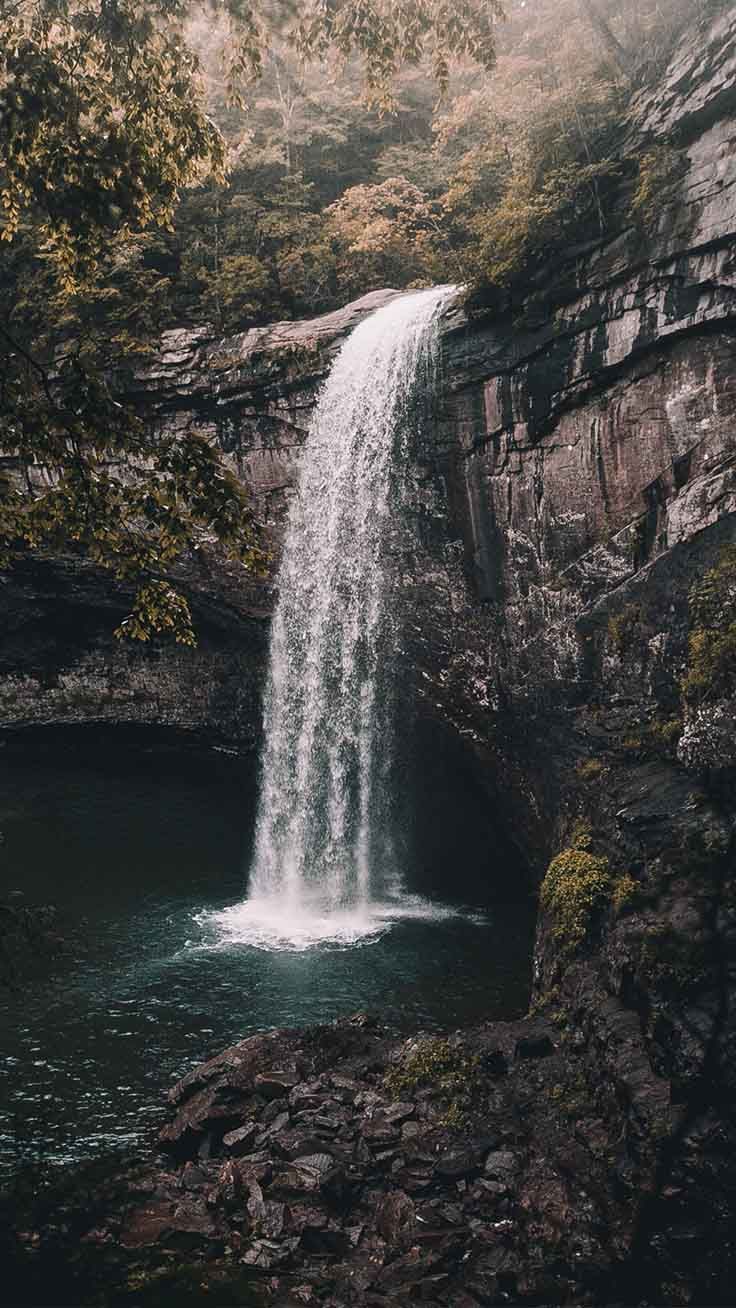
(585, 465)
(588, 450)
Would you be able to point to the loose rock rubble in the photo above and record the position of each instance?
(510, 1163)
(291, 1163)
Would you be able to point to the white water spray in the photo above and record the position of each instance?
(324, 864)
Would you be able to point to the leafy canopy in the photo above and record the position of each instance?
(101, 109)
(100, 126)
(389, 35)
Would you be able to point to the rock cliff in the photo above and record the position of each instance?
(573, 600)
(586, 463)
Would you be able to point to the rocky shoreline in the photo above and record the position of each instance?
(350, 1165)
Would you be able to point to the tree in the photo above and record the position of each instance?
(102, 127)
(387, 234)
(528, 159)
(388, 35)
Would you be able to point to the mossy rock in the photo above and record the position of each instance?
(624, 629)
(625, 893)
(577, 886)
(454, 1076)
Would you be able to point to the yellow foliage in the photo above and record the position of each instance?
(659, 172)
(581, 836)
(623, 628)
(451, 1074)
(665, 734)
(625, 892)
(576, 886)
(158, 610)
(385, 234)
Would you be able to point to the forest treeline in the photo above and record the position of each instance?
(315, 194)
(229, 164)
(327, 197)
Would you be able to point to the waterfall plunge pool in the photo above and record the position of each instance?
(136, 848)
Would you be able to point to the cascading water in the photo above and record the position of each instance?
(324, 858)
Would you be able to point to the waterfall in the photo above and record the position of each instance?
(324, 848)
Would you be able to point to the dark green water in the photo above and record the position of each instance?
(132, 848)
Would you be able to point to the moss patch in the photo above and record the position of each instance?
(664, 734)
(581, 836)
(579, 887)
(453, 1075)
(571, 1100)
(661, 170)
(624, 893)
(624, 629)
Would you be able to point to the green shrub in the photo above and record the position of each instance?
(623, 629)
(525, 183)
(571, 1099)
(434, 1062)
(665, 733)
(578, 886)
(581, 836)
(541, 1004)
(625, 893)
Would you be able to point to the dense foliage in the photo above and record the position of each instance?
(148, 179)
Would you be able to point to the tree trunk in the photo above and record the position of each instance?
(614, 48)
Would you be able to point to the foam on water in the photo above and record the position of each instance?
(270, 924)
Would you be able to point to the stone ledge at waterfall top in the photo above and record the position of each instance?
(198, 364)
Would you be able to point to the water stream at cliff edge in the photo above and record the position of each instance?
(326, 867)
